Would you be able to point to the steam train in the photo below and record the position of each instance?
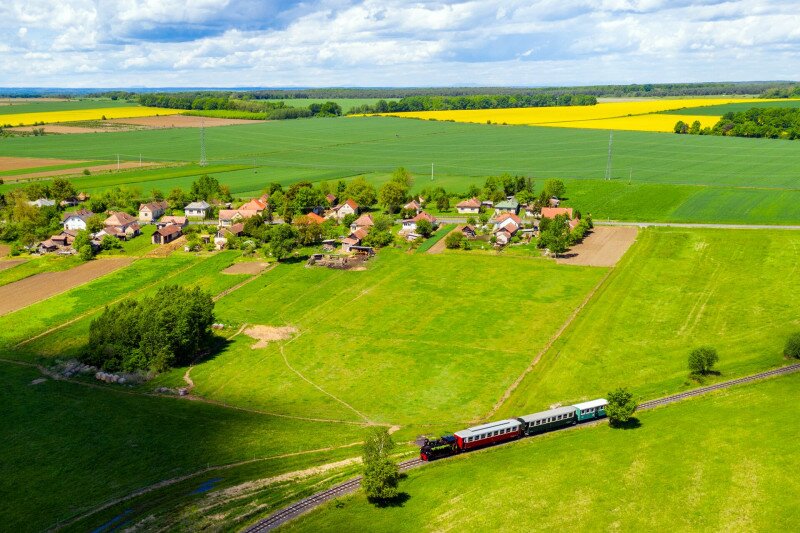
(512, 428)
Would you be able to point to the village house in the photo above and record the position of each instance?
(413, 205)
(229, 217)
(331, 198)
(410, 224)
(256, 204)
(76, 220)
(469, 207)
(166, 234)
(505, 227)
(221, 238)
(507, 221)
(469, 232)
(120, 225)
(354, 239)
(554, 202)
(167, 220)
(507, 206)
(315, 218)
(363, 222)
(553, 212)
(197, 210)
(152, 211)
(61, 243)
(340, 211)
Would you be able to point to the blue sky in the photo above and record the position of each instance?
(274, 43)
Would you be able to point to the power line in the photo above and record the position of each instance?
(608, 161)
(203, 161)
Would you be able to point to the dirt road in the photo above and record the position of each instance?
(28, 291)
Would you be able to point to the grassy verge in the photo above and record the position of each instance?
(675, 290)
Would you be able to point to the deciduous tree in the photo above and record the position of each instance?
(381, 474)
(621, 406)
(792, 348)
(703, 359)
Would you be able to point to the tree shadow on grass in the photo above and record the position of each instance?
(631, 423)
(294, 259)
(398, 501)
(702, 378)
(216, 345)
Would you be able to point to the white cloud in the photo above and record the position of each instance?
(393, 42)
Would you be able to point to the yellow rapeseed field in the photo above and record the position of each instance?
(639, 115)
(49, 117)
(652, 122)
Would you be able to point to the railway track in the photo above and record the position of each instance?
(348, 487)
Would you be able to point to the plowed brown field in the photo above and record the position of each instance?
(15, 163)
(603, 247)
(28, 291)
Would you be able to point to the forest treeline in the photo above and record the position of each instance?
(766, 122)
(482, 101)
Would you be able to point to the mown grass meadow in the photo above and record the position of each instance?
(675, 290)
(722, 463)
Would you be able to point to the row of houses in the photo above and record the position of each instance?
(472, 206)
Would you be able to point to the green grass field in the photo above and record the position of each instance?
(43, 106)
(445, 323)
(380, 144)
(682, 178)
(68, 448)
(718, 463)
(674, 290)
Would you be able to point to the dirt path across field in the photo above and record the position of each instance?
(28, 291)
(79, 170)
(246, 267)
(603, 247)
(20, 163)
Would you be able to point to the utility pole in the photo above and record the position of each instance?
(608, 161)
(431, 171)
(140, 159)
(117, 162)
(203, 161)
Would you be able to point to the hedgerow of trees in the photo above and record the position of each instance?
(767, 122)
(483, 101)
(170, 328)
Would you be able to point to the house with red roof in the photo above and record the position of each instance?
(363, 222)
(151, 211)
(509, 222)
(410, 224)
(553, 212)
(469, 207)
(413, 205)
(120, 225)
(229, 217)
(338, 212)
(354, 239)
(166, 234)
